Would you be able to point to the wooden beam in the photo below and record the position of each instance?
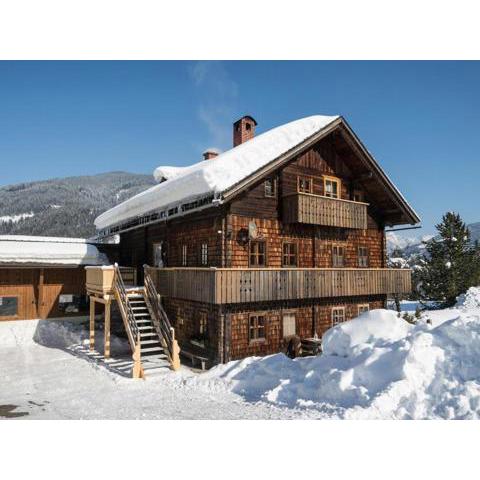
(92, 323)
(106, 349)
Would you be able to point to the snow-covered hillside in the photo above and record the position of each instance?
(375, 366)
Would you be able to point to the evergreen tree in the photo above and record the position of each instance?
(450, 265)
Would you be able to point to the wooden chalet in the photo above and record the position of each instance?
(280, 237)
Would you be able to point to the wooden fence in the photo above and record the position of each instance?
(318, 210)
(234, 285)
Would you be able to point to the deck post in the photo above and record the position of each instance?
(106, 350)
(92, 323)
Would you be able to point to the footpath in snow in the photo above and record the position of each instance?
(375, 366)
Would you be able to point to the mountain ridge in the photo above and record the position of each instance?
(65, 206)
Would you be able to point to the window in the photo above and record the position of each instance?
(202, 325)
(204, 254)
(358, 196)
(331, 187)
(201, 330)
(256, 330)
(362, 256)
(338, 315)
(289, 258)
(270, 187)
(179, 319)
(184, 255)
(363, 308)
(258, 254)
(8, 306)
(338, 256)
(305, 185)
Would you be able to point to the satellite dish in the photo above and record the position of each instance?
(252, 231)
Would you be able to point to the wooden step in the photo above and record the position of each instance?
(150, 342)
(154, 356)
(148, 327)
(151, 349)
(149, 334)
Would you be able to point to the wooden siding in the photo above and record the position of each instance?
(314, 243)
(230, 286)
(318, 210)
(39, 289)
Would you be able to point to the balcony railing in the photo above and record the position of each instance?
(318, 210)
(234, 285)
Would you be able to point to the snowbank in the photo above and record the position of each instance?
(375, 366)
(375, 327)
(50, 333)
(15, 249)
(469, 300)
(60, 333)
(215, 175)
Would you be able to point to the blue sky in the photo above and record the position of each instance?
(421, 120)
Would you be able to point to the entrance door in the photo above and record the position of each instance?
(289, 327)
(158, 254)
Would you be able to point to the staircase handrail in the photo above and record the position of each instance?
(132, 329)
(160, 318)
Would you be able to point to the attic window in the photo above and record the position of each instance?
(270, 187)
(305, 185)
(331, 187)
(248, 126)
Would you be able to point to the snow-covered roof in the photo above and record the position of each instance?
(20, 249)
(217, 175)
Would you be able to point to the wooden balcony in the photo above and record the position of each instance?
(318, 210)
(234, 285)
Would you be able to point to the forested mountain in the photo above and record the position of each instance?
(65, 206)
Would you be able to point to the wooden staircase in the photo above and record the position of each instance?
(148, 328)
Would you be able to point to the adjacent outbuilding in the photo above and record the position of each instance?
(44, 277)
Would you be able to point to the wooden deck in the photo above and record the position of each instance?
(234, 285)
(319, 210)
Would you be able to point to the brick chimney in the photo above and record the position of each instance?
(243, 130)
(210, 153)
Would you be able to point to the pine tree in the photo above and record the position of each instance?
(450, 265)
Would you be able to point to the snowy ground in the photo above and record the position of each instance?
(375, 366)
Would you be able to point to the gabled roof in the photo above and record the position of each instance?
(231, 172)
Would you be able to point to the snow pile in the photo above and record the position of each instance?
(162, 174)
(50, 333)
(216, 175)
(375, 366)
(15, 249)
(469, 300)
(64, 334)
